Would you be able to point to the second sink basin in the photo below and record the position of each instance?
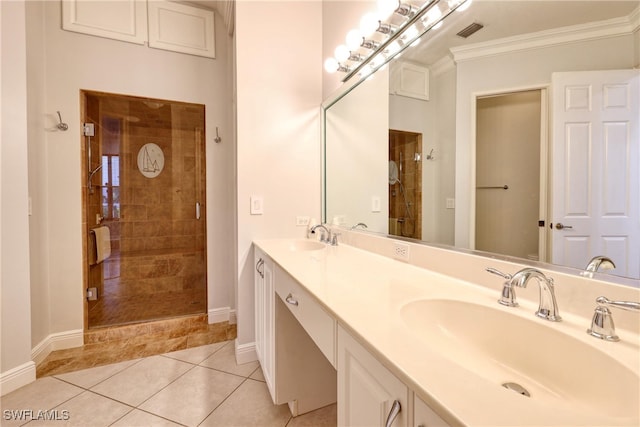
(506, 348)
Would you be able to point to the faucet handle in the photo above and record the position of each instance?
(334, 239)
(602, 326)
(508, 296)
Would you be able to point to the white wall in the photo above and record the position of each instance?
(279, 91)
(357, 155)
(59, 65)
(515, 70)
(16, 368)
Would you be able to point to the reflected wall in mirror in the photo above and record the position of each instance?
(489, 119)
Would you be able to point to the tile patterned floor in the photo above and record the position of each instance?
(199, 386)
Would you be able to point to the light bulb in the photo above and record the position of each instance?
(354, 39)
(386, 8)
(369, 24)
(464, 6)
(433, 15)
(342, 53)
(438, 25)
(331, 65)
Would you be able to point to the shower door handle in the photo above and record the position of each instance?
(197, 210)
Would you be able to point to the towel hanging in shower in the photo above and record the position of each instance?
(102, 243)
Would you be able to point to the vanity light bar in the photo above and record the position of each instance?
(428, 15)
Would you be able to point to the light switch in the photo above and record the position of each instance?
(451, 203)
(375, 204)
(257, 207)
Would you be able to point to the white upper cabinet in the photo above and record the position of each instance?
(181, 28)
(171, 26)
(124, 20)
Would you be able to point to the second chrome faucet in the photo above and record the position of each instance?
(548, 307)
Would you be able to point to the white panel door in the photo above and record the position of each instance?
(596, 162)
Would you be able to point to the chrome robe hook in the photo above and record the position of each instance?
(61, 125)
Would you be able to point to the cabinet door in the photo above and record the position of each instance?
(264, 316)
(367, 391)
(424, 416)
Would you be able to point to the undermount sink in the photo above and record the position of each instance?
(305, 245)
(506, 348)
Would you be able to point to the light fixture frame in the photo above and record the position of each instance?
(396, 36)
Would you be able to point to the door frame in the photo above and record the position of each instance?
(543, 212)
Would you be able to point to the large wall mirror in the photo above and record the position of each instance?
(518, 137)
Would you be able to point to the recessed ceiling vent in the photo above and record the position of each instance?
(471, 29)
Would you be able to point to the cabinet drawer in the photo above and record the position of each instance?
(320, 326)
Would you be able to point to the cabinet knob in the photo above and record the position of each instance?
(393, 413)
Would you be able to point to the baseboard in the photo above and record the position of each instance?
(17, 377)
(58, 341)
(245, 353)
(222, 314)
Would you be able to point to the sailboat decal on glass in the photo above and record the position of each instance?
(150, 160)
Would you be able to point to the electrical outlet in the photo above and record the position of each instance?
(401, 251)
(302, 221)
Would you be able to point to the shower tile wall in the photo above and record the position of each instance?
(157, 267)
(409, 144)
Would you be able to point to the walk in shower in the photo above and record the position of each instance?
(405, 184)
(144, 209)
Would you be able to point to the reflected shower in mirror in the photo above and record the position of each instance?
(505, 173)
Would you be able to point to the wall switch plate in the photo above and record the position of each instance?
(92, 294)
(375, 204)
(89, 129)
(451, 203)
(302, 221)
(401, 251)
(257, 205)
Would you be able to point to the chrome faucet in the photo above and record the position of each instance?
(323, 239)
(360, 224)
(598, 262)
(548, 308)
(602, 323)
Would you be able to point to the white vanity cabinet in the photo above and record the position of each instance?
(424, 416)
(295, 368)
(367, 391)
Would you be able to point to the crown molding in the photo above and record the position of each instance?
(559, 36)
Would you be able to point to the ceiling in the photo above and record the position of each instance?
(508, 18)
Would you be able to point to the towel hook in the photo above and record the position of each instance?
(61, 125)
(217, 139)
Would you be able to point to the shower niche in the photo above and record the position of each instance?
(143, 165)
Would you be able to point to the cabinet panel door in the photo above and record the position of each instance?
(424, 416)
(366, 389)
(124, 20)
(264, 316)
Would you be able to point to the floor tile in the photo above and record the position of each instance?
(87, 409)
(225, 360)
(257, 374)
(88, 378)
(137, 418)
(41, 395)
(142, 380)
(323, 417)
(196, 355)
(249, 405)
(192, 397)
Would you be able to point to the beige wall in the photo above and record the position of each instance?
(279, 91)
(15, 349)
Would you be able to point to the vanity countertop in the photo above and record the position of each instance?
(365, 292)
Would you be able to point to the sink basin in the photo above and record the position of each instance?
(506, 348)
(305, 245)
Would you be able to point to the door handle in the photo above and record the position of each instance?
(561, 226)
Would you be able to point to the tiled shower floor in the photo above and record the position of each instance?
(111, 310)
(199, 386)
